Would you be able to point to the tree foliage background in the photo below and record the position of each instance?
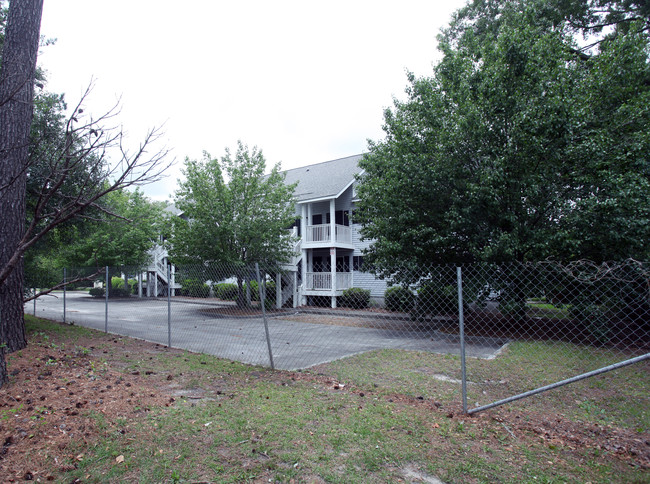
(530, 140)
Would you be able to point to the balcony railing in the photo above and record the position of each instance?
(323, 233)
(322, 281)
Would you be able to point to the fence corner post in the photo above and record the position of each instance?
(461, 329)
(106, 303)
(169, 309)
(65, 276)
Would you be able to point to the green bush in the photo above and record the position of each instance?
(118, 283)
(594, 318)
(115, 292)
(194, 288)
(399, 298)
(255, 291)
(436, 299)
(269, 300)
(355, 298)
(119, 292)
(226, 291)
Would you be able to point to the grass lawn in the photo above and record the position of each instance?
(104, 408)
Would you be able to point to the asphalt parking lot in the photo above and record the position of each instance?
(294, 345)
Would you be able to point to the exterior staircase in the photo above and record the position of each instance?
(157, 281)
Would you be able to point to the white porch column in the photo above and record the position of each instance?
(303, 221)
(333, 249)
(309, 216)
(278, 290)
(303, 266)
(332, 221)
(295, 289)
(172, 283)
(139, 284)
(351, 266)
(333, 269)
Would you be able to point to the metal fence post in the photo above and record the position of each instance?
(266, 324)
(169, 309)
(106, 308)
(65, 273)
(34, 301)
(461, 326)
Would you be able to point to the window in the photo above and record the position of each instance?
(357, 263)
(321, 264)
(342, 217)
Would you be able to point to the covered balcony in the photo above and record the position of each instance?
(323, 234)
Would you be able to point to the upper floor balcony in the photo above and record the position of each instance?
(321, 236)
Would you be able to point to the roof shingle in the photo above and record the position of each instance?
(323, 180)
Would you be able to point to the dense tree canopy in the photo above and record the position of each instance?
(530, 140)
(232, 213)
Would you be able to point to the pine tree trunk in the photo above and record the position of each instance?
(16, 108)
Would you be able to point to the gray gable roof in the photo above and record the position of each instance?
(323, 180)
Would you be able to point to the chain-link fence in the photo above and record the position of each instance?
(512, 328)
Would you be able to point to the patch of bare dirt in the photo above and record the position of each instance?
(235, 312)
(54, 401)
(352, 319)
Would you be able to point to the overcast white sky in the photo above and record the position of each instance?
(305, 81)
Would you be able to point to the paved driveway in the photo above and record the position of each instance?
(294, 344)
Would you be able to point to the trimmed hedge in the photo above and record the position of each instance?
(255, 290)
(355, 298)
(115, 292)
(226, 291)
(119, 292)
(399, 298)
(118, 283)
(194, 288)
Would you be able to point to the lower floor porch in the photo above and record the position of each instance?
(326, 273)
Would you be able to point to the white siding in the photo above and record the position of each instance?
(359, 244)
(368, 281)
(319, 208)
(344, 202)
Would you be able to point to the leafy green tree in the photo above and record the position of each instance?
(233, 214)
(120, 236)
(525, 143)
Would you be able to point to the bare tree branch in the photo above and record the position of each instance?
(85, 153)
(62, 284)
